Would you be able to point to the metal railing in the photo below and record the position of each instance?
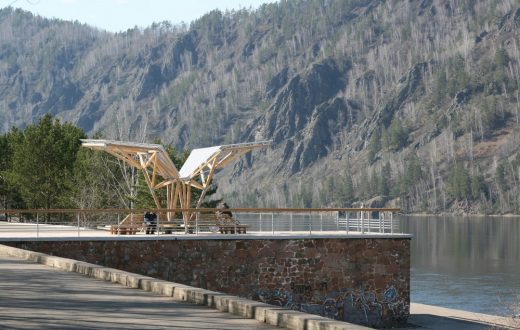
(110, 222)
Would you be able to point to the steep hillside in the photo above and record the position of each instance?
(407, 103)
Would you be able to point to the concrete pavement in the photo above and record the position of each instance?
(34, 296)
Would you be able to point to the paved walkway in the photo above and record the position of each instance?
(34, 296)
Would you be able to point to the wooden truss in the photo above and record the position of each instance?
(160, 172)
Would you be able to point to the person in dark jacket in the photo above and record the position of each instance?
(227, 212)
(150, 221)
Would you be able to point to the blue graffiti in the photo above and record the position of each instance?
(390, 295)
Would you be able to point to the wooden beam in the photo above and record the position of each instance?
(175, 196)
(150, 187)
(165, 183)
(152, 157)
(211, 172)
(195, 184)
(124, 157)
(154, 173)
(223, 159)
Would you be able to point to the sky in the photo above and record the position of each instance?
(121, 15)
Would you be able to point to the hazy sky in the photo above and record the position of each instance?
(120, 15)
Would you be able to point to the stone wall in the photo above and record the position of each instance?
(360, 280)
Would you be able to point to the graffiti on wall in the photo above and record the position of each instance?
(352, 305)
(275, 297)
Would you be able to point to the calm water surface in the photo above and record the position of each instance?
(468, 263)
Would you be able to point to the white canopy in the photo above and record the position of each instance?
(196, 159)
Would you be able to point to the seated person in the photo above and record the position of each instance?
(150, 222)
(226, 214)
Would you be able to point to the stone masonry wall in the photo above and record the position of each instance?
(360, 280)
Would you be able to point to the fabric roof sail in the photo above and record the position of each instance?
(196, 159)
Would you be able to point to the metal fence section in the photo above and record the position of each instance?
(117, 222)
(359, 222)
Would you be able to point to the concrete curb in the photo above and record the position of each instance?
(273, 315)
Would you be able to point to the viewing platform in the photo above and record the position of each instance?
(255, 224)
(349, 265)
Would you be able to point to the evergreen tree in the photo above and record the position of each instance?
(478, 186)
(396, 136)
(501, 61)
(43, 161)
(346, 190)
(386, 180)
(501, 175)
(459, 183)
(9, 194)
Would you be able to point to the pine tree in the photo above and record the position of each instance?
(43, 161)
(9, 194)
(459, 183)
(386, 180)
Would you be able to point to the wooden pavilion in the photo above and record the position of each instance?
(160, 172)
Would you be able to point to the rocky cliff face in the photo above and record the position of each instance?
(355, 96)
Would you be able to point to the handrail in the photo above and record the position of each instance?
(238, 209)
(255, 220)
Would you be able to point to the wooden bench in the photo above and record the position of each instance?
(217, 222)
(169, 227)
(123, 230)
(130, 225)
(230, 229)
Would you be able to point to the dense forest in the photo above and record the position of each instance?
(413, 104)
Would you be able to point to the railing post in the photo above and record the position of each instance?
(346, 223)
(321, 221)
(260, 222)
(37, 226)
(197, 223)
(158, 224)
(290, 216)
(310, 224)
(380, 221)
(391, 223)
(272, 222)
(337, 220)
(77, 216)
(362, 223)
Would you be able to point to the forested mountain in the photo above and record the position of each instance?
(406, 103)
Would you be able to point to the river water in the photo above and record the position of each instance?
(468, 263)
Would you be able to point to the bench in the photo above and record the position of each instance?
(130, 225)
(169, 227)
(230, 229)
(123, 230)
(217, 222)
